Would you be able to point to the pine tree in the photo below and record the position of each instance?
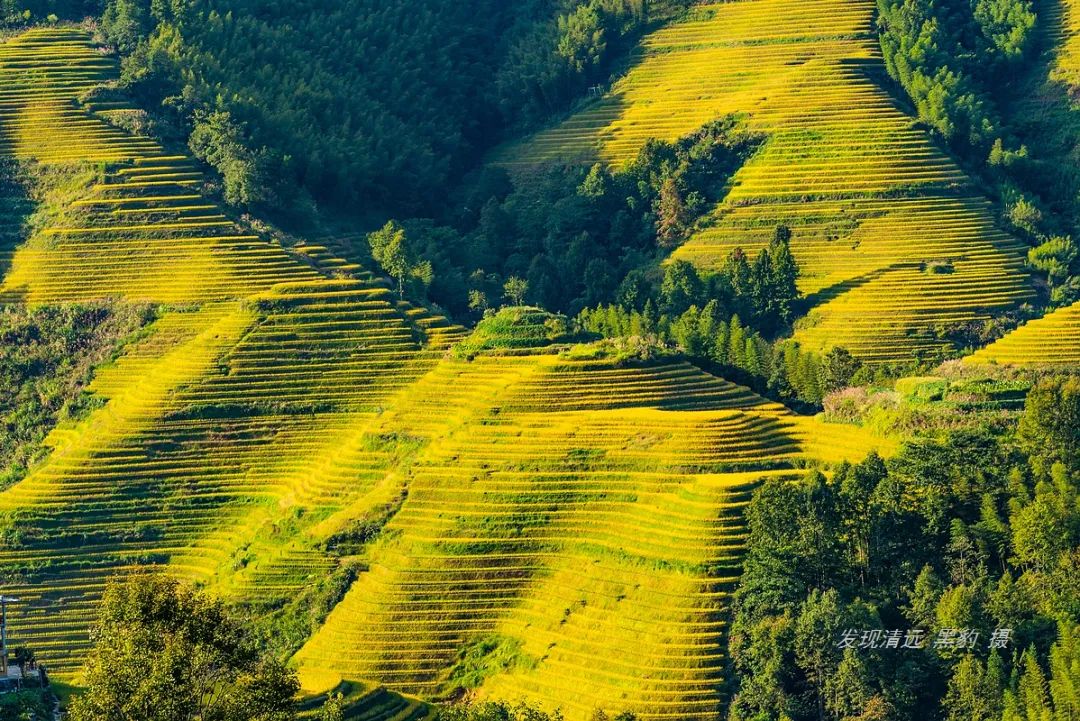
(720, 343)
(810, 372)
(736, 356)
(974, 692)
(736, 271)
(785, 270)
(650, 318)
(1065, 673)
(848, 690)
(708, 323)
(751, 358)
(1029, 702)
(762, 293)
(922, 605)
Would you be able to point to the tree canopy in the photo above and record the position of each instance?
(165, 652)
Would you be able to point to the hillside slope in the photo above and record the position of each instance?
(571, 538)
(1067, 65)
(1050, 114)
(258, 365)
(1053, 340)
(559, 502)
(896, 245)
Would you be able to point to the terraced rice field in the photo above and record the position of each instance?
(1066, 17)
(259, 364)
(872, 202)
(583, 513)
(581, 516)
(1053, 340)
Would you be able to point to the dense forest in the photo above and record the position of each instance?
(972, 532)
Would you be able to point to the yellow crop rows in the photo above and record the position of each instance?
(217, 418)
(871, 201)
(1065, 17)
(1053, 340)
(583, 513)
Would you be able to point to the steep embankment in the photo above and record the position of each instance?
(551, 522)
(895, 243)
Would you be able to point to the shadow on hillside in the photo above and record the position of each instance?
(1046, 115)
(15, 206)
(830, 292)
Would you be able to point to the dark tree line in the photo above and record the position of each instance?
(704, 318)
(577, 237)
(19, 13)
(946, 54)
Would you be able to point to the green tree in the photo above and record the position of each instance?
(219, 141)
(1029, 701)
(818, 625)
(1065, 672)
(478, 301)
(785, 291)
(582, 39)
(597, 183)
(672, 215)
(1025, 216)
(391, 249)
(124, 23)
(975, 691)
(1007, 24)
(333, 709)
(736, 343)
(848, 691)
(1057, 257)
(515, 289)
(838, 368)
(923, 598)
(23, 658)
(681, 287)
(762, 294)
(736, 274)
(1051, 421)
(165, 652)
(1048, 527)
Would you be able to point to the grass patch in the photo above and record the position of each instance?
(486, 657)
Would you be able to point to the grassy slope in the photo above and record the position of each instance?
(1067, 66)
(283, 396)
(870, 199)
